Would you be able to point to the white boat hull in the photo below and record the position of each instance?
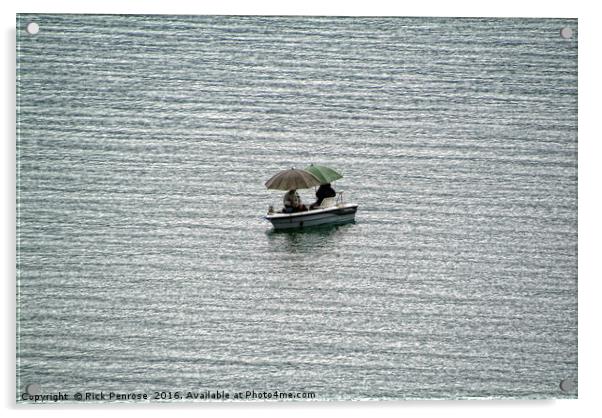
(338, 214)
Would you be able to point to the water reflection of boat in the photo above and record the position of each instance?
(320, 240)
(330, 212)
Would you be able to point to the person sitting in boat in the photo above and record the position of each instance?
(324, 191)
(292, 202)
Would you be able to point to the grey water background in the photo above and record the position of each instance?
(143, 263)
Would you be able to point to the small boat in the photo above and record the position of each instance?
(330, 212)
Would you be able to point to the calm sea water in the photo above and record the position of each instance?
(144, 265)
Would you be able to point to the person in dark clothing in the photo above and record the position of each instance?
(324, 191)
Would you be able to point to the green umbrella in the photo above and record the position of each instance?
(323, 173)
(292, 179)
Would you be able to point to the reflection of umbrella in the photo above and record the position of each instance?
(324, 174)
(292, 179)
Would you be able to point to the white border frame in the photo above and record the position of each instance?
(590, 209)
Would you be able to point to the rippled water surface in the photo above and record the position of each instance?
(144, 263)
